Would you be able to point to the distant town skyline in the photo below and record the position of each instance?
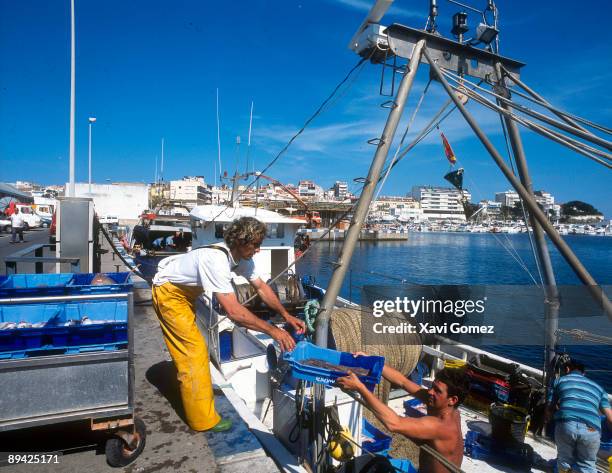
(150, 70)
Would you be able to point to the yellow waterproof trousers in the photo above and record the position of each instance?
(175, 308)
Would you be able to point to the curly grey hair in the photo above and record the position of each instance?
(243, 231)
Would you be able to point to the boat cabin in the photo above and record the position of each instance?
(208, 222)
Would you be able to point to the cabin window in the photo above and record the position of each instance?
(220, 229)
(276, 230)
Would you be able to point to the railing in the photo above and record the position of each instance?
(38, 259)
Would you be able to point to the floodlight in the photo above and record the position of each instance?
(485, 33)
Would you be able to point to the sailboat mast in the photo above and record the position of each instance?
(161, 171)
(218, 136)
(249, 140)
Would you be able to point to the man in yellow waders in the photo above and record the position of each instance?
(180, 280)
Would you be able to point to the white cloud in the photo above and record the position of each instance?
(366, 5)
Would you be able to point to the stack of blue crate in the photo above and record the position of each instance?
(50, 327)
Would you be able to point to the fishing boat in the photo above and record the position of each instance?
(159, 233)
(281, 408)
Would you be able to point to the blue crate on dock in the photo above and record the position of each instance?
(81, 283)
(50, 326)
(40, 285)
(378, 442)
(307, 351)
(34, 285)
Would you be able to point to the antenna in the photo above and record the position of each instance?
(218, 135)
(155, 170)
(161, 172)
(249, 141)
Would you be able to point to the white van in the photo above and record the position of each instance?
(30, 219)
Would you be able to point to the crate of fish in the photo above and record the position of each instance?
(32, 329)
(41, 285)
(100, 283)
(323, 366)
(33, 285)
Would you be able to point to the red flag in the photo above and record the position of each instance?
(448, 150)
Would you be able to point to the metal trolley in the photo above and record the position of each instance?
(98, 386)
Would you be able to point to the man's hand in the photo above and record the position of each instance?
(298, 326)
(284, 339)
(359, 353)
(350, 382)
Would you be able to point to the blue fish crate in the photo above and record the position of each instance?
(307, 351)
(482, 447)
(40, 285)
(34, 285)
(378, 442)
(81, 283)
(51, 326)
(403, 465)
(411, 408)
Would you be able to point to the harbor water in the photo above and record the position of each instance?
(475, 259)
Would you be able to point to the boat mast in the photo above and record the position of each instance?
(551, 303)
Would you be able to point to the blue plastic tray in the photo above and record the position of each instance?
(305, 351)
(410, 408)
(482, 447)
(32, 285)
(54, 333)
(49, 350)
(81, 284)
(379, 443)
(403, 465)
(38, 285)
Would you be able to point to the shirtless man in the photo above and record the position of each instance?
(440, 428)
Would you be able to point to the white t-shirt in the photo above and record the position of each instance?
(208, 268)
(17, 220)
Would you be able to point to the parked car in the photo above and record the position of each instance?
(45, 221)
(5, 224)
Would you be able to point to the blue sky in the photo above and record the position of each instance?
(150, 69)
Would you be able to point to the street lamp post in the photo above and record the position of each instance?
(91, 122)
(72, 99)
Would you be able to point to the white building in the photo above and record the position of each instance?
(190, 190)
(441, 203)
(507, 199)
(490, 207)
(402, 209)
(544, 199)
(126, 201)
(309, 190)
(340, 189)
(220, 195)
